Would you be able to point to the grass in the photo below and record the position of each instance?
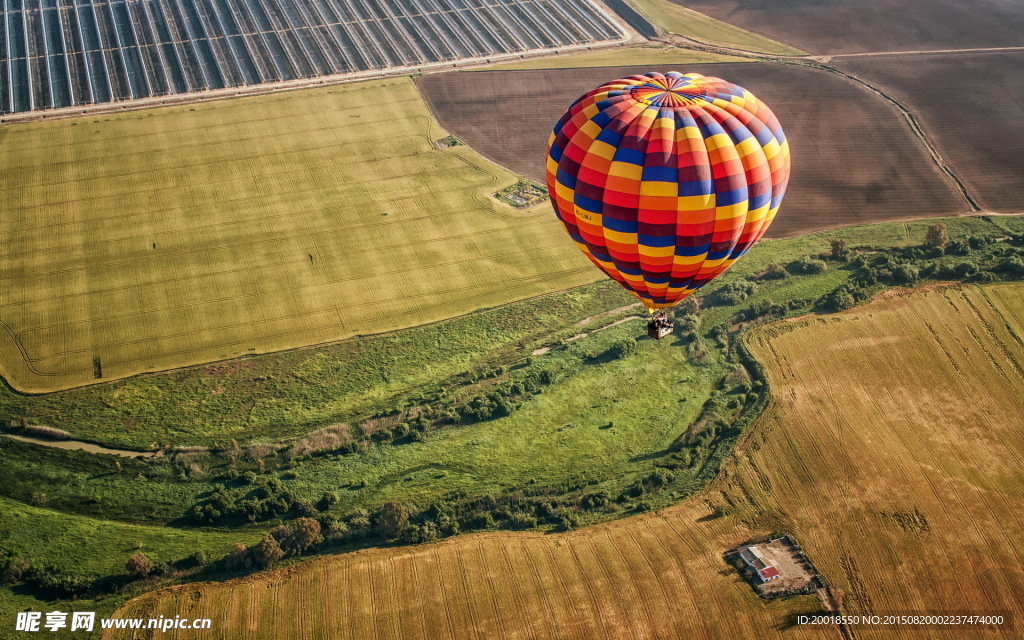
(101, 547)
(281, 395)
(175, 236)
(677, 19)
(606, 425)
(659, 57)
(890, 452)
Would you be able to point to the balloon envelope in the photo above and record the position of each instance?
(665, 180)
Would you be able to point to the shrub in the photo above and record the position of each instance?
(806, 266)
(622, 348)
(774, 271)
(267, 552)
(139, 566)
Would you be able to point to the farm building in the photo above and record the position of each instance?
(755, 559)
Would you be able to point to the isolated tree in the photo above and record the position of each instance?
(393, 520)
(839, 250)
(937, 236)
(139, 566)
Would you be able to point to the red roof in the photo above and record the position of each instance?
(768, 572)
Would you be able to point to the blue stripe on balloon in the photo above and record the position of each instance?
(622, 226)
(656, 241)
(631, 156)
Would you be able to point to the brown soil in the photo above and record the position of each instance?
(970, 107)
(841, 26)
(855, 159)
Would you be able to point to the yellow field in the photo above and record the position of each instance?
(657, 57)
(892, 451)
(174, 236)
(677, 19)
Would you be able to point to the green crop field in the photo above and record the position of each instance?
(167, 237)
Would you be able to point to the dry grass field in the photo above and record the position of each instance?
(855, 160)
(979, 131)
(892, 451)
(840, 26)
(167, 237)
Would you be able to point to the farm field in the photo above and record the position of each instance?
(877, 487)
(288, 394)
(656, 56)
(835, 129)
(652, 576)
(837, 26)
(675, 18)
(979, 133)
(174, 236)
(893, 449)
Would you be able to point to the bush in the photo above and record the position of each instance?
(328, 500)
(734, 292)
(839, 300)
(774, 271)
(806, 266)
(267, 552)
(139, 566)
(905, 274)
(622, 348)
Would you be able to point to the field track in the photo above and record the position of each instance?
(892, 451)
(162, 238)
(836, 130)
(979, 132)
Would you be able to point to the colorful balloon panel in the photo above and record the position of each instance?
(665, 180)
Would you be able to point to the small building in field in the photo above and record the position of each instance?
(755, 559)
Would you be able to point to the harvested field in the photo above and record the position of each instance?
(897, 469)
(836, 130)
(970, 105)
(902, 419)
(840, 26)
(176, 236)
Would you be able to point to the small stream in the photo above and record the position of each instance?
(82, 446)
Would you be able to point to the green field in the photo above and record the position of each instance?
(696, 26)
(168, 237)
(284, 395)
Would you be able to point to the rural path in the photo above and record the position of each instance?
(915, 52)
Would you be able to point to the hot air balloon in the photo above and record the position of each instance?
(665, 180)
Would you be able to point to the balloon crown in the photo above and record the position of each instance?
(671, 91)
